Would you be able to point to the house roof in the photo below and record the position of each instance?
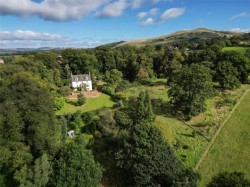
(79, 78)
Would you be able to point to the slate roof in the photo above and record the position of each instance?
(79, 78)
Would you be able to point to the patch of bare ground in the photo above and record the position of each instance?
(91, 94)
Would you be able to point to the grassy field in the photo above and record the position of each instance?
(241, 50)
(231, 150)
(90, 105)
(187, 145)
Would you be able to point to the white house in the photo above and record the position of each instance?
(78, 81)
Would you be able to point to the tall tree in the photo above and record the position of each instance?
(113, 77)
(75, 166)
(149, 161)
(36, 175)
(190, 88)
(141, 109)
(227, 75)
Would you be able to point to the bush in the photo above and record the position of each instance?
(58, 103)
(121, 96)
(157, 102)
(227, 179)
(108, 90)
(124, 85)
(81, 100)
(65, 90)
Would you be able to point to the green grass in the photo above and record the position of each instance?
(188, 148)
(231, 150)
(241, 50)
(156, 90)
(90, 105)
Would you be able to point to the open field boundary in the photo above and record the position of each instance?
(204, 155)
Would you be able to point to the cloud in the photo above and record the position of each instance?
(136, 3)
(167, 15)
(243, 14)
(55, 10)
(240, 30)
(30, 35)
(30, 39)
(113, 9)
(170, 14)
(151, 12)
(66, 10)
(141, 15)
(148, 21)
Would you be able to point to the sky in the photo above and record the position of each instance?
(90, 23)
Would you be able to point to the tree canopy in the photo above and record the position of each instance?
(190, 89)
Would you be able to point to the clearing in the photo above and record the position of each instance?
(241, 50)
(231, 149)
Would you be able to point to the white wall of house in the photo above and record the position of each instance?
(79, 83)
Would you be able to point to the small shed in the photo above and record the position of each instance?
(71, 133)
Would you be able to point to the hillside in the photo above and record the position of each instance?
(186, 35)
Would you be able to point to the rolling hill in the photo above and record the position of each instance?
(186, 35)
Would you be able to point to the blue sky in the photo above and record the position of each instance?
(89, 23)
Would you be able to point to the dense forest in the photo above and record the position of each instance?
(116, 146)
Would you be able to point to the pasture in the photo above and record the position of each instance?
(231, 149)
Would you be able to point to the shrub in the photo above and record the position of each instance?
(108, 90)
(58, 103)
(124, 85)
(121, 96)
(81, 100)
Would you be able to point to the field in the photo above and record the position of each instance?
(231, 149)
(241, 50)
(90, 105)
(188, 144)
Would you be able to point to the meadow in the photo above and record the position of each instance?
(189, 139)
(230, 151)
(241, 50)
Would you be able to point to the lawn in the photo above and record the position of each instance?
(231, 149)
(241, 50)
(90, 105)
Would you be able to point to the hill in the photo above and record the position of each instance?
(180, 36)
